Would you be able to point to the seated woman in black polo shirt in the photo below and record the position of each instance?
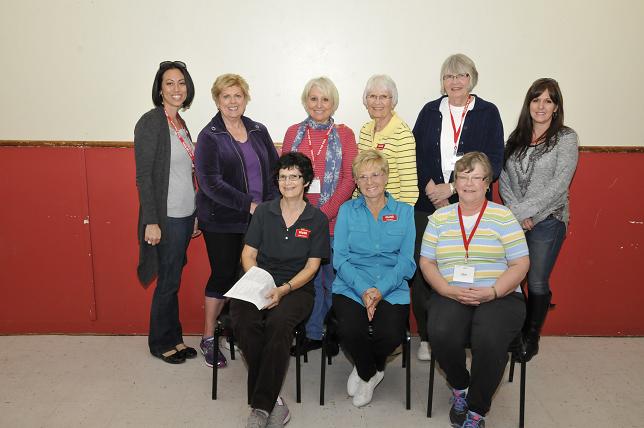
(288, 237)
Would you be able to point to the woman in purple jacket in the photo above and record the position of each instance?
(234, 159)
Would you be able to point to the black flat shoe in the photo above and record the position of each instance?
(187, 353)
(307, 345)
(174, 358)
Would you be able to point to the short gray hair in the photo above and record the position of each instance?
(381, 81)
(456, 64)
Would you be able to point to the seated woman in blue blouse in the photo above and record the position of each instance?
(374, 259)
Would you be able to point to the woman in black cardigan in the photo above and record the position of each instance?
(164, 155)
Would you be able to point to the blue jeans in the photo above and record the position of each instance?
(323, 298)
(165, 327)
(544, 242)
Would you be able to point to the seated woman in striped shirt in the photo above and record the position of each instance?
(474, 255)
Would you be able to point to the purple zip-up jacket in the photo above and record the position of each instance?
(223, 201)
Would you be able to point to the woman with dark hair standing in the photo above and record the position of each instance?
(540, 161)
(234, 160)
(164, 154)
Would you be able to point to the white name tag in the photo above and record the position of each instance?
(315, 186)
(453, 159)
(464, 273)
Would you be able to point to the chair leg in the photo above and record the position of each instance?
(323, 369)
(407, 353)
(430, 390)
(522, 395)
(231, 342)
(511, 375)
(298, 385)
(214, 367)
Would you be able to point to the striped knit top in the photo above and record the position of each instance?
(397, 143)
(498, 239)
(317, 150)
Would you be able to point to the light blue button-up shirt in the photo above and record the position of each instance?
(374, 253)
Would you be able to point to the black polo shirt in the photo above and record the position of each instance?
(283, 251)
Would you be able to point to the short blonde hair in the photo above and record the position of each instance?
(457, 64)
(367, 158)
(226, 81)
(327, 87)
(469, 161)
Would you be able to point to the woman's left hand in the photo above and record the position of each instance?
(527, 224)
(274, 296)
(438, 192)
(195, 231)
(476, 296)
(371, 297)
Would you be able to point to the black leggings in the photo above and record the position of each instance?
(224, 253)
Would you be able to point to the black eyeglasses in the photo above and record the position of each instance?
(180, 64)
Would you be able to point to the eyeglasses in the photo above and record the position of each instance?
(374, 176)
(373, 98)
(179, 64)
(289, 178)
(459, 77)
(475, 179)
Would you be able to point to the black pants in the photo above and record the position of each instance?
(488, 328)
(224, 253)
(265, 339)
(420, 289)
(388, 325)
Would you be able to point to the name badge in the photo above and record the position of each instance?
(380, 146)
(315, 186)
(389, 217)
(302, 233)
(464, 273)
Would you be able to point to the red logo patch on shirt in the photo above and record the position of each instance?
(390, 217)
(380, 146)
(302, 233)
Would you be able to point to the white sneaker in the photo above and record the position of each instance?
(423, 352)
(364, 393)
(353, 382)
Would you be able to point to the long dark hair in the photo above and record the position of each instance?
(521, 138)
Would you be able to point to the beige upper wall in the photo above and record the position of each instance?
(82, 70)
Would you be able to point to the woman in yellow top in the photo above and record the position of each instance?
(391, 136)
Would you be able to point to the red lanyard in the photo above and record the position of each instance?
(326, 138)
(188, 147)
(466, 240)
(457, 132)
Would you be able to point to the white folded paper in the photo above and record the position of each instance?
(253, 287)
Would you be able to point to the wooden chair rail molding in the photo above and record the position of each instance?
(129, 144)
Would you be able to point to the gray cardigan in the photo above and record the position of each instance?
(152, 158)
(536, 185)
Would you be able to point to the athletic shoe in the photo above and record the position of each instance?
(474, 420)
(364, 392)
(458, 411)
(257, 419)
(279, 416)
(423, 352)
(353, 382)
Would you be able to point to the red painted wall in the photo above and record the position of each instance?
(68, 249)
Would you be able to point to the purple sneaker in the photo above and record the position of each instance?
(207, 346)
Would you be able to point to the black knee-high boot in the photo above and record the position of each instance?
(538, 306)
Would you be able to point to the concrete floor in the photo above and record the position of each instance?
(112, 381)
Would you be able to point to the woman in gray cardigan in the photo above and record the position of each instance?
(540, 160)
(164, 154)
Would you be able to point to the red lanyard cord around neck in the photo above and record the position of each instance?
(326, 138)
(186, 146)
(466, 240)
(457, 132)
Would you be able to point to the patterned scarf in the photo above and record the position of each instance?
(333, 155)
